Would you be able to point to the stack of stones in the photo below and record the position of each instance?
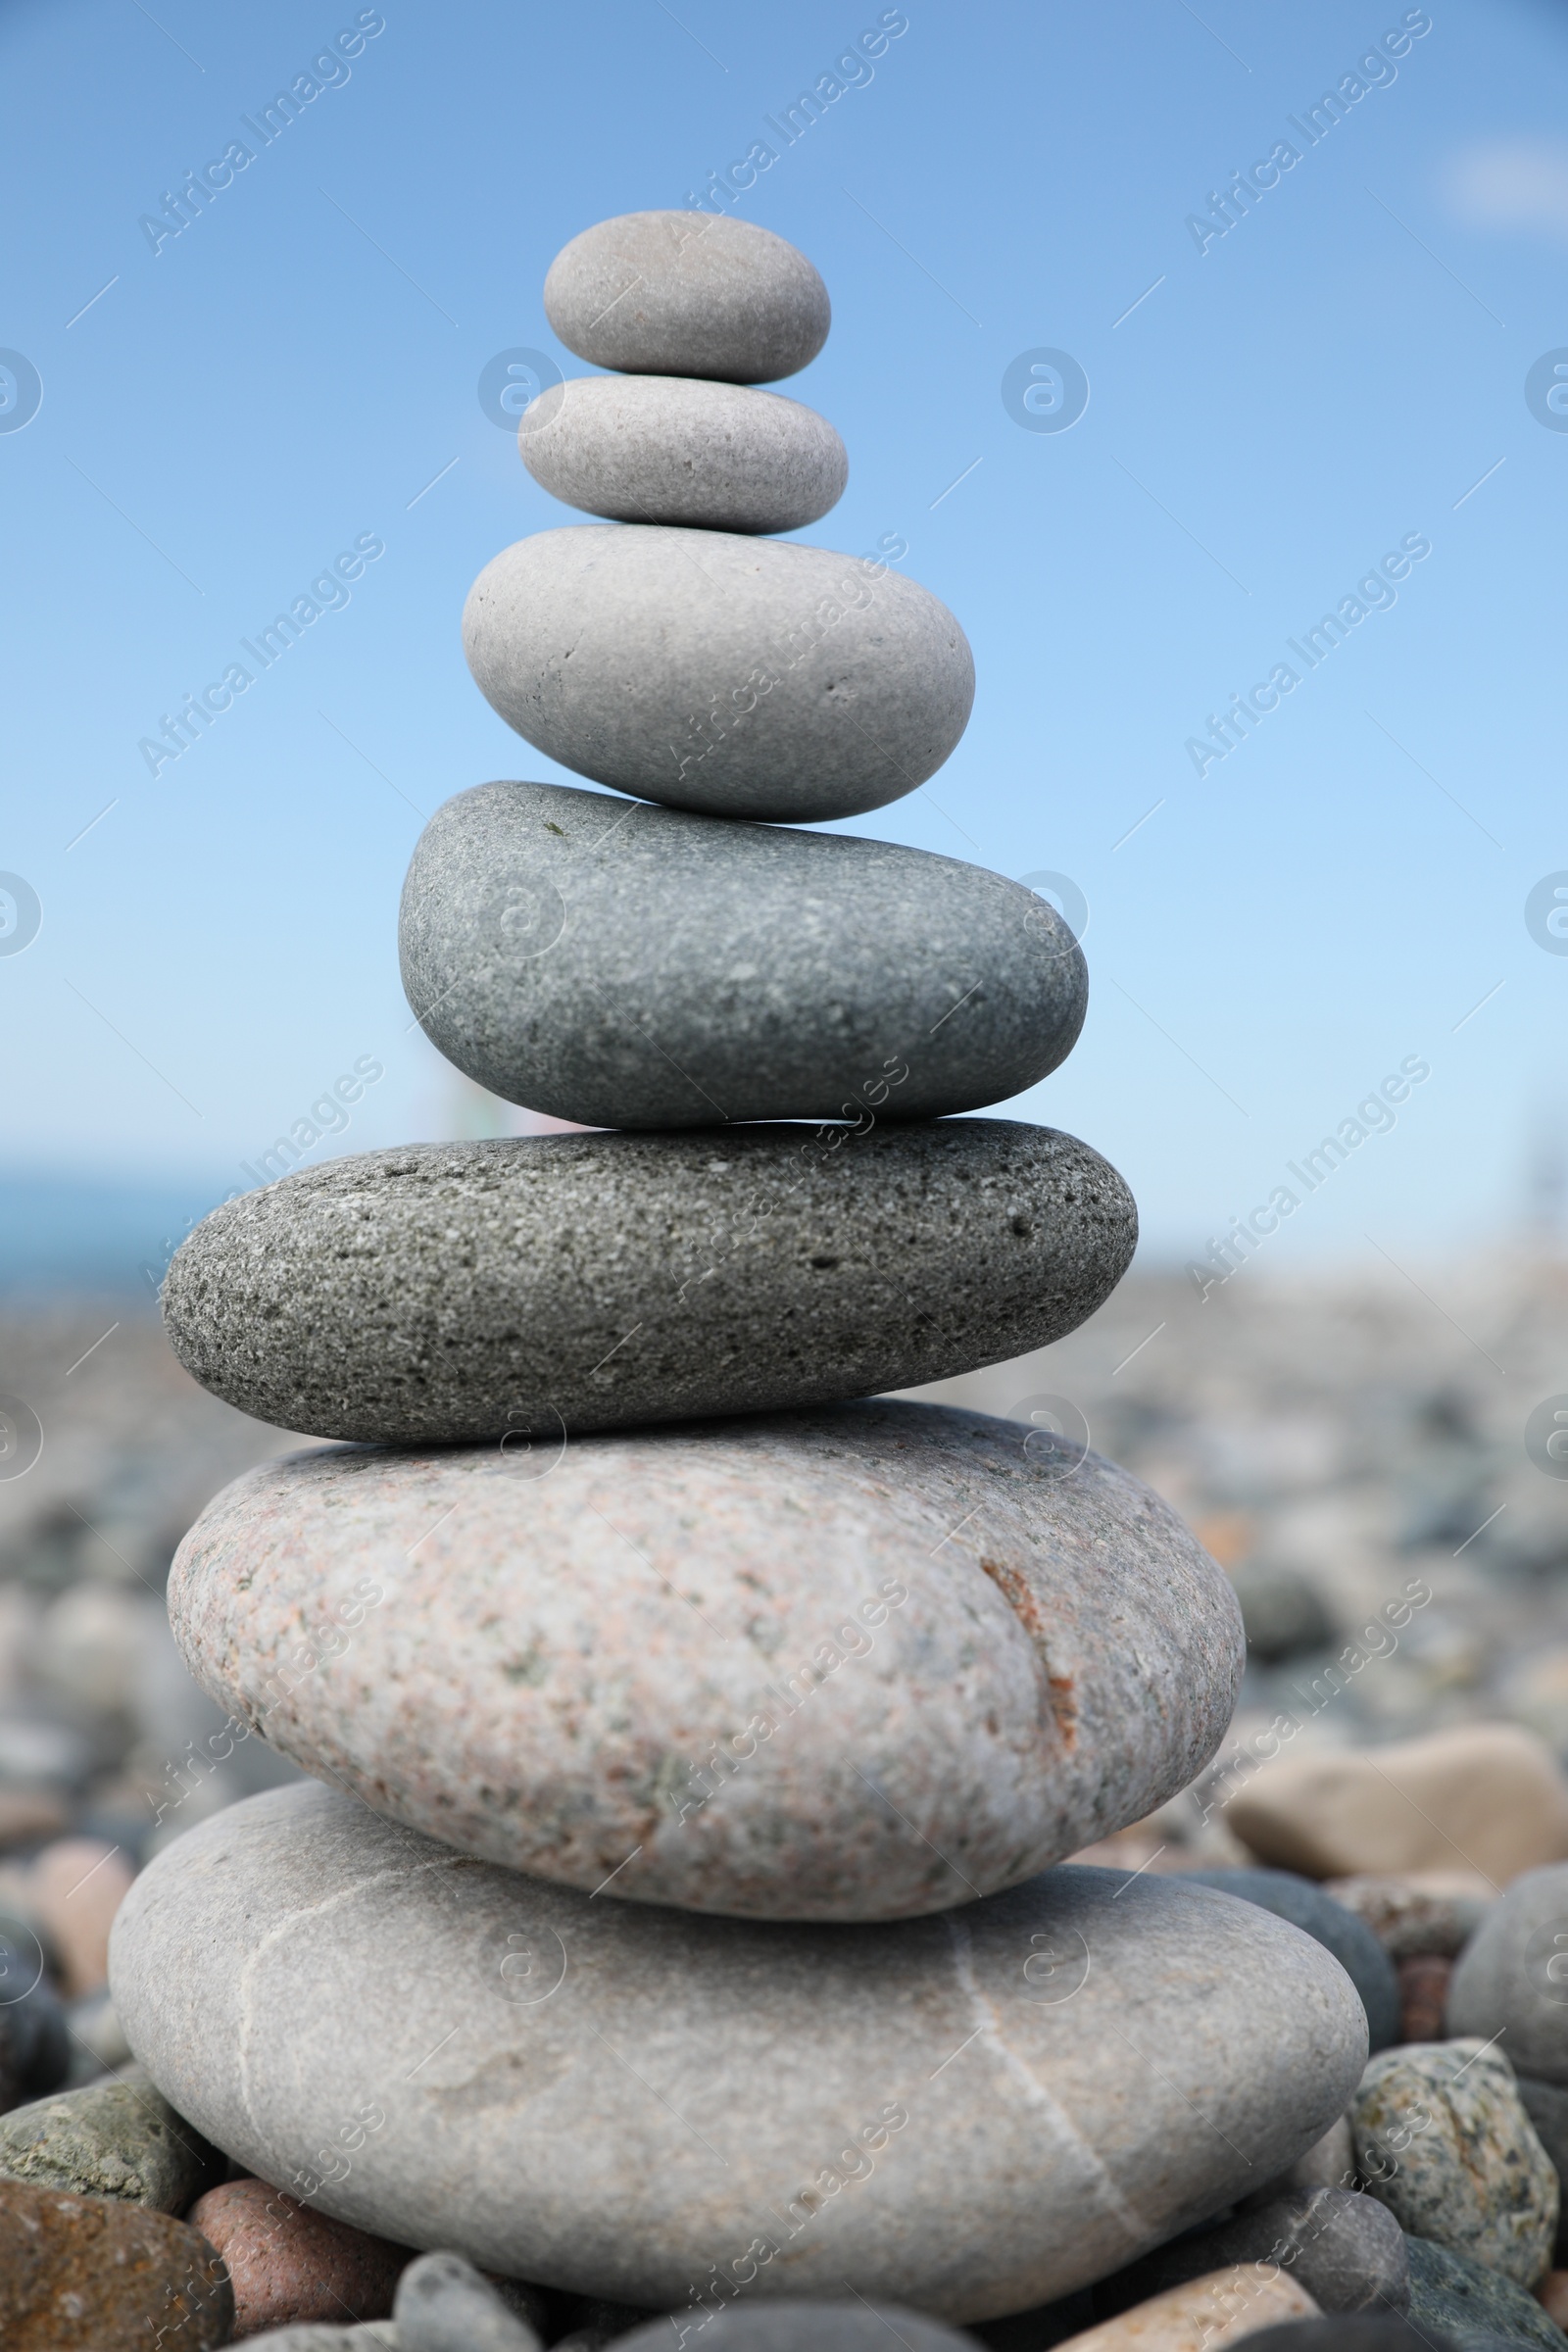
(670, 1916)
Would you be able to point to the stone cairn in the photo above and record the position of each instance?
(670, 1915)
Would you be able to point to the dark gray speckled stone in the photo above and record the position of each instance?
(461, 1291)
(745, 677)
(669, 293)
(623, 966)
(1474, 2304)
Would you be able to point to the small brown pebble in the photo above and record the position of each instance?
(96, 2275)
(75, 1886)
(1423, 1996)
(1552, 2294)
(289, 2262)
(26, 1814)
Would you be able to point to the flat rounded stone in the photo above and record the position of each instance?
(687, 294)
(612, 1672)
(1513, 1976)
(622, 965)
(1491, 1796)
(443, 1292)
(742, 676)
(971, 2114)
(675, 449)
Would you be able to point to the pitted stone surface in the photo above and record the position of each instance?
(442, 1292)
(971, 2114)
(622, 965)
(1444, 2140)
(746, 1668)
(116, 2138)
(742, 676)
(687, 294)
(674, 448)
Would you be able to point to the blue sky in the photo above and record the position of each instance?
(1271, 411)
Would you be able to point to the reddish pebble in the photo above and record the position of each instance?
(1423, 1997)
(1552, 2294)
(289, 2262)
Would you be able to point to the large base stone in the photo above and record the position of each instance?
(972, 2114)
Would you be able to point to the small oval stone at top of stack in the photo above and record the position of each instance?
(622, 965)
(742, 676)
(450, 1292)
(674, 448)
(667, 293)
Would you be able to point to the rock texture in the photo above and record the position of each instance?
(374, 2335)
(289, 2262)
(1361, 2333)
(1513, 1976)
(1419, 1915)
(1478, 2306)
(622, 965)
(95, 2275)
(1219, 2309)
(1546, 2105)
(443, 2304)
(1443, 2139)
(1485, 1797)
(601, 1674)
(1345, 2249)
(439, 1293)
(1353, 1944)
(118, 2138)
(745, 677)
(687, 294)
(804, 2327)
(668, 449)
(975, 2113)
